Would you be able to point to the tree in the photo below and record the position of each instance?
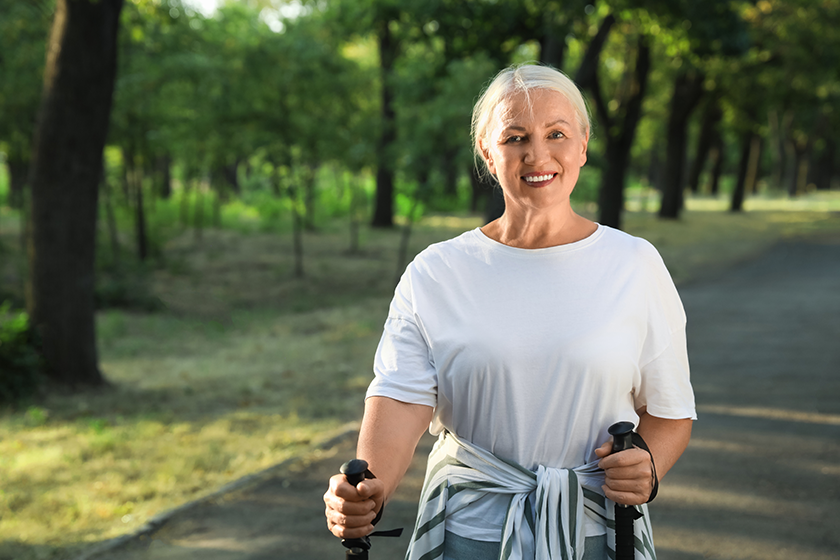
(688, 90)
(709, 131)
(66, 169)
(711, 31)
(441, 31)
(619, 124)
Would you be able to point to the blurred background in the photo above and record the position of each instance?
(268, 169)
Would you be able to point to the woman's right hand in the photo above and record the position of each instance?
(350, 510)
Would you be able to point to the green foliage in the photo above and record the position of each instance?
(20, 358)
(4, 179)
(23, 35)
(586, 189)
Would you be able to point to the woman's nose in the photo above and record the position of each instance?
(537, 152)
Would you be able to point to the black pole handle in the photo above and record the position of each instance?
(622, 433)
(355, 470)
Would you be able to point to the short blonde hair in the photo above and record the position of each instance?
(522, 78)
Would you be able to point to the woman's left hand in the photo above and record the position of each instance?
(629, 474)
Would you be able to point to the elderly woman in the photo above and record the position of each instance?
(520, 343)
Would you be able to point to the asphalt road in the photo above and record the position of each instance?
(760, 479)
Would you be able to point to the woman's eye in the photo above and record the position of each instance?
(556, 134)
(514, 140)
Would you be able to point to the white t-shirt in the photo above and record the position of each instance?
(532, 354)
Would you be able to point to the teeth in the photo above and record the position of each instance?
(539, 178)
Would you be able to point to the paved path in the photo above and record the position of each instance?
(760, 480)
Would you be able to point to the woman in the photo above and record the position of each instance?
(521, 342)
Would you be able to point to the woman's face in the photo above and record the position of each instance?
(535, 149)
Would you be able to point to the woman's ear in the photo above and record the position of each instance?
(488, 159)
(583, 155)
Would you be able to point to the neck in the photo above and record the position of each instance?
(537, 230)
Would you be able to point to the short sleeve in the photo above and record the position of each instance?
(402, 366)
(665, 386)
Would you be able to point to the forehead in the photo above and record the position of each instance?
(537, 107)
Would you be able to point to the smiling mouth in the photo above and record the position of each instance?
(539, 178)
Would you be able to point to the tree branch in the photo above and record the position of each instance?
(587, 72)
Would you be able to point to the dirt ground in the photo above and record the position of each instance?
(760, 479)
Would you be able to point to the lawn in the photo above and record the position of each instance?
(243, 365)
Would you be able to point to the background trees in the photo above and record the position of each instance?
(24, 28)
(323, 111)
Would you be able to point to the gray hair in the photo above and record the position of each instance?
(522, 78)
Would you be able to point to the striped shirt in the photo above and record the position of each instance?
(544, 519)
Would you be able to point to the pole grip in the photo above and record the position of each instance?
(622, 433)
(354, 470)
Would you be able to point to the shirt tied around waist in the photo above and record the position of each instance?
(545, 516)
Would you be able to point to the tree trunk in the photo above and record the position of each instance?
(308, 178)
(111, 221)
(419, 196)
(231, 174)
(553, 41)
(711, 119)
(751, 181)
(450, 173)
(778, 145)
(688, 89)
(611, 194)
(66, 168)
(823, 169)
(383, 213)
(719, 158)
(219, 190)
(184, 203)
(587, 73)
(134, 178)
(619, 135)
(18, 178)
(297, 231)
(163, 163)
(737, 203)
(198, 211)
(799, 170)
(620, 139)
(357, 196)
(480, 190)
(654, 171)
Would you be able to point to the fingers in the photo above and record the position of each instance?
(605, 449)
(628, 458)
(346, 525)
(628, 476)
(350, 510)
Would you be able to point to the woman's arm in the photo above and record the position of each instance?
(387, 440)
(629, 474)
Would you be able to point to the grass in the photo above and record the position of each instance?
(246, 365)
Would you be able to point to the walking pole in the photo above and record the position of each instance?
(622, 433)
(356, 470)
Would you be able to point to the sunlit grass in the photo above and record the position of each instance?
(193, 407)
(247, 365)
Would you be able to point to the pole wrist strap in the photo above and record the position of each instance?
(639, 442)
(390, 532)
